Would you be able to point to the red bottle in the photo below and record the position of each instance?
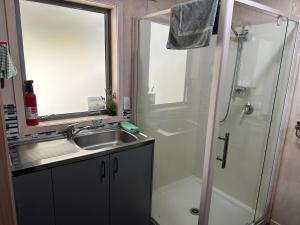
(30, 104)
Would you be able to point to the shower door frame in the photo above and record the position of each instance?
(287, 107)
(210, 150)
(220, 65)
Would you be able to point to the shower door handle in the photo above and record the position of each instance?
(225, 150)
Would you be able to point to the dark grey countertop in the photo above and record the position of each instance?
(34, 156)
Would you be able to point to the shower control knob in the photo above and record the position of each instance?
(247, 109)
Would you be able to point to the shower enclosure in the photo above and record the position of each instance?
(216, 113)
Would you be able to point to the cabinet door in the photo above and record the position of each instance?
(131, 186)
(81, 193)
(34, 198)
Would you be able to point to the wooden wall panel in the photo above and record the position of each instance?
(7, 205)
(296, 8)
(286, 199)
(282, 5)
(132, 9)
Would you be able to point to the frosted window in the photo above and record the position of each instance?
(64, 52)
(167, 68)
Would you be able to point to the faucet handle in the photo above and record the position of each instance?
(70, 129)
(72, 126)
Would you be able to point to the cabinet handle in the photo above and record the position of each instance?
(103, 170)
(116, 165)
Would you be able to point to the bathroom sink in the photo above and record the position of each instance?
(96, 141)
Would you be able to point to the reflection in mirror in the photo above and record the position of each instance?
(167, 68)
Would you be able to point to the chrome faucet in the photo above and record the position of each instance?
(71, 132)
(81, 129)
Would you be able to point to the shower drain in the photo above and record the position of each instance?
(194, 211)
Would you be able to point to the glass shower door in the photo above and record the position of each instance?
(172, 106)
(248, 94)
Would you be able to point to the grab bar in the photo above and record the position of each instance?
(225, 150)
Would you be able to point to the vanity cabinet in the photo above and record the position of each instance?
(34, 198)
(109, 190)
(131, 187)
(81, 192)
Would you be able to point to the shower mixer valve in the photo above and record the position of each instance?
(247, 109)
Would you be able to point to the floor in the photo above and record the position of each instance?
(172, 203)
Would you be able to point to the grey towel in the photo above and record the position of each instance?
(7, 68)
(192, 24)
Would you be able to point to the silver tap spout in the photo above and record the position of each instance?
(71, 132)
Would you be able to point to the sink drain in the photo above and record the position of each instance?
(194, 211)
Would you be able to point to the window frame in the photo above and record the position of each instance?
(108, 52)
